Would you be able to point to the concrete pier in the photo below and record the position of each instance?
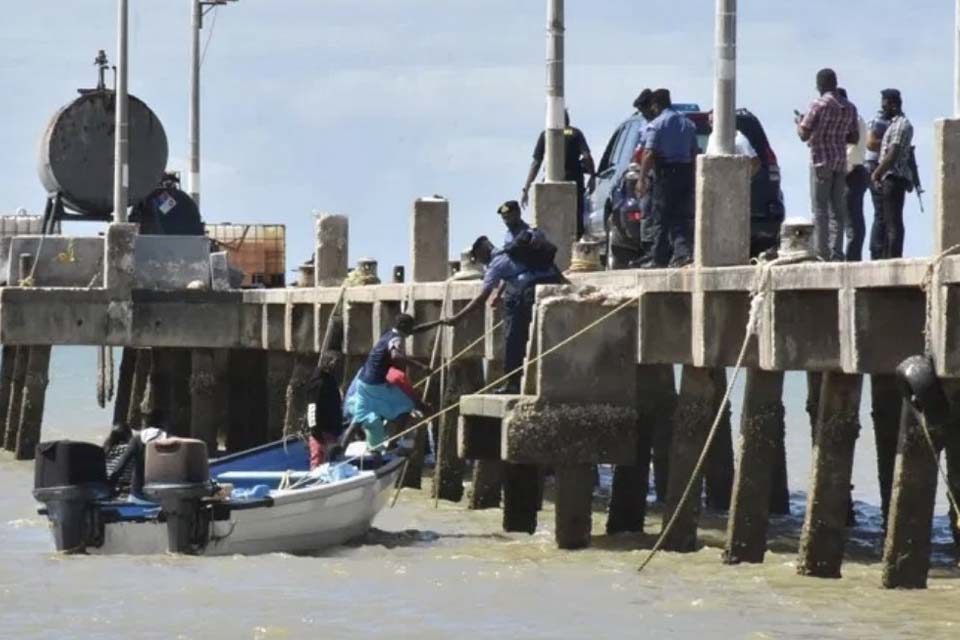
(574, 505)
(279, 369)
(723, 211)
(521, 498)
(906, 552)
(761, 439)
(9, 357)
(486, 483)
(247, 399)
(662, 392)
(461, 378)
(138, 387)
(208, 390)
(555, 213)
(887, 402)
(718, 471)
(121, 402)
(828, 501)
(17, 381)
(34, 397)
(331, 249)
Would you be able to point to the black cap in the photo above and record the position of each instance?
(508, 206)
(891, 94)
(643, 100)
(482, 241)
(661, 97)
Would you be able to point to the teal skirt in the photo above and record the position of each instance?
(373, 405)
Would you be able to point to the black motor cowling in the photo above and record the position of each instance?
(177, 476)
(69, 477)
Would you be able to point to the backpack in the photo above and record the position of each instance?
(531, 251)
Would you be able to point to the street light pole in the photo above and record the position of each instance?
(725, 79)
(193, 177)
(553, 134)
(121, 166)
(956, 63)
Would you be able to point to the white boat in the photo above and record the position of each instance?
(275, 506)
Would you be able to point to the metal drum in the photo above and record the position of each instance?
(77, 152)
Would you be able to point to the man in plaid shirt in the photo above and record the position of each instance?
(894, 175)
(829, 125)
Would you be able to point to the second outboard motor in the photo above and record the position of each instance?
(69, 477)
(177, 476)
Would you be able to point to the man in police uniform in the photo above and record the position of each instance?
(510, 278)
(670, 146)
(577, 162)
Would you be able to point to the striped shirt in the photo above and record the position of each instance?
(900, 133)
(829, 121)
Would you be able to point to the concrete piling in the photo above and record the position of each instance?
(663, 398)
(906, 551)
(485, 486)
(9, 357)
(170, 388)
(21, 360)
(521, 497)
(555, 213)
(247, 399)
(279, 369)
(691, 425)
(886, 403)
(761, 439)
(138, 387)
(208, 407)
(296, 393)
(121, 401)
(828, 501)
(718, 471)
(330, 249)
(574, 505)
(462, 378)
(33, 400)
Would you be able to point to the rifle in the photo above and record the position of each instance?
(915, 175)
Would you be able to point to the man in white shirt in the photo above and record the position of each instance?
(858, 181)
(741, 147)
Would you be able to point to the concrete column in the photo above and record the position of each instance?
(718, 471)
(521, 497)
(279, 370)
(663, 397)
(20, 362)
(296, 394)
(691, 425)
(119, 270)
(138, 387)
(6, 382)
(207, 398)
(886, 401)
(952, 454)
(906, 550)
(780, 489)
(121, 402)
(462, 378)
(247, 399)
(555, 213)
(761, 435)
(946, 184)
(828, 501)
(574, 505)
(429, 240)
(722, 235)
(485, 486)
(34, 396)
(330, 258)
(171, 371)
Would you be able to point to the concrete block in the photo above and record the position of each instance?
(219, 271)
(195, 319)
(119, 247)
(63, 261)
(299, 327)
(470, 329)
(948, 333)
(536, 432)
(478, 438)
(946, 184)
(722, 235)
(665, 328)
(421, 345)
(719, 325)
(804, 330)
(331, 252)
(171, 262)
(493, 345)
(888, 327)
(358, 332)
(48, 316)
(429, 240)
(555, 213)
(598, 366)
(385, 314)
(273, 327)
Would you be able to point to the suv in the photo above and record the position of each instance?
(606, 223)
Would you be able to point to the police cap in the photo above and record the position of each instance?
(643, 100)
(891, 94)
(661, 97)
(510, 206)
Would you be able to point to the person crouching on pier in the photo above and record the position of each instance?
(375, 401)
(513, 273)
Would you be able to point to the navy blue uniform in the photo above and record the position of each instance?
(519, 290)
(672, 137)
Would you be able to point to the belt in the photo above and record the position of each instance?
(674, 166)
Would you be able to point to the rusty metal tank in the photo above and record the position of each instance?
(77, 150)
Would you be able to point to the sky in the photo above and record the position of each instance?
(359, 107)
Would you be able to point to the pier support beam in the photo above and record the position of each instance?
(121, 402)
(574, 505)
(138, 389)
(7, 364)
(170, 388)
(486, 484)
(34, 397)
(906, 551)
(463, 377)
(279, 370)
(20, 362)
(761, 439)
(521, 497)
(718, 471)
(296, 394)
(247, 376)
(886, 409)
(663, 398)
(828, 503)
(207, 398)
(691, 425)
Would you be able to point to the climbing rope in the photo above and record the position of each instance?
(757, 298)
(459, 354)
(29, 280)
(951, 497)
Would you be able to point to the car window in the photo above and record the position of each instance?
(608, 152)
(628, 143)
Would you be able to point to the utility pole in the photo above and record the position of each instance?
(956, 63)
(121, 166)
(725, 80)
(555, 92)
(199, 8)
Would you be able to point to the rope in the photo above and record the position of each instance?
(459, 354)
(951, 497)
(757, 298)
(29, 281)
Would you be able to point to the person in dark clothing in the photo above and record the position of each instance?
(894, 176)
(670, 147)
(577, 162)
(858, 181)
(324, 409)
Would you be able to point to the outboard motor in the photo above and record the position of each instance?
(69, 477)
(177, 476)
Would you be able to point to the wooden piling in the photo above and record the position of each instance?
(718, 470)
(486, 484)
(761, 437)
(574, 505)
(138, 388)
(279, 370)
(691, 425)
(9, 357)
(207, 398)
(32, 403)
(121, 401)
(16, 394)
(906, 550)
(521, 497)
(828, 501)
(886, 401)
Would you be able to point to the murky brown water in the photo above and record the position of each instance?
(451, 573)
